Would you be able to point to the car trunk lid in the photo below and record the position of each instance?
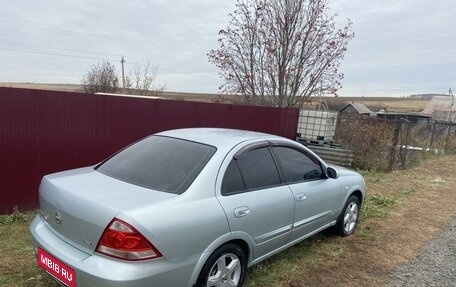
(78, 205)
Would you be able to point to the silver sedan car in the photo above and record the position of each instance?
(189, 207)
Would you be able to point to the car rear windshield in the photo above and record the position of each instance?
(159, 163)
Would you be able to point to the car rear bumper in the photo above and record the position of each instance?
(98, 270)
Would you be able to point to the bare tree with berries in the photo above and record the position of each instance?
(280, 52)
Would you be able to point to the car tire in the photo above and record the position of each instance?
(225, 267)
(348, 218)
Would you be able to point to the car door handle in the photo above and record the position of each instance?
(241, 211)
(300, 197)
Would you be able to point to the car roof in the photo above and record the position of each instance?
(219, 137)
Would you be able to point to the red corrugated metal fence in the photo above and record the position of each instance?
(44, 131)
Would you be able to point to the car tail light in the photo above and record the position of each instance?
(121, 240)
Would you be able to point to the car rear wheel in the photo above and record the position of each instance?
(348, 219)
(225, 267)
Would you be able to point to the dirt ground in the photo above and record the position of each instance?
(427, 201)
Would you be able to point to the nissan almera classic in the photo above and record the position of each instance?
(189, 207)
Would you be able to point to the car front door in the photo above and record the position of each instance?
(316, 197)
(255, 199)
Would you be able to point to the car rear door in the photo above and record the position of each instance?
(316, 197)
(255, 200)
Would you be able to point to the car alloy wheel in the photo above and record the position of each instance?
(350, 217)
(225, 272)
(224, 268)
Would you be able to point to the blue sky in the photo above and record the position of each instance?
(400, 47)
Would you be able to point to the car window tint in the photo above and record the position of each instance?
(258, 168)
(232, 181)
(297, 166)
(160, 163)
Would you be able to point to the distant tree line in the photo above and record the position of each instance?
(141, 80)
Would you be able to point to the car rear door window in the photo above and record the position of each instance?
(159, 163)
(297, 166)
(232, 181)
(258, 168)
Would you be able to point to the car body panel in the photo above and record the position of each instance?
(186, 217)
(101, 271)
(316, 204)
(89, 200)
(269, 218)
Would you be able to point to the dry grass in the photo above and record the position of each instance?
(374, 103)
(378, 103)
(404, 210)
(398, 106)
(45, 86)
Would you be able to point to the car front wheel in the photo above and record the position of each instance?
(225, 267)
(348, 219)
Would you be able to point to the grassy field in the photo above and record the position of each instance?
(379, 103)
(18, 264)
(45, 86)
(403, 211)
(374, 103)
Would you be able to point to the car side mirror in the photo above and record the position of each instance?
(332, 172)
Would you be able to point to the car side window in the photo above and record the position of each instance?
(258, 168)
(297, 166)
(232, 181)
(254, 169)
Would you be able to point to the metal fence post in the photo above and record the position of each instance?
(447, 142)
(404, 153)
(432, 135)
(395, 142)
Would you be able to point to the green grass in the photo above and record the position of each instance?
(16, 217)
(286, 266)
(18, 266)
(383, 200)
(373, 176)
(378, 205)
(407, 192)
